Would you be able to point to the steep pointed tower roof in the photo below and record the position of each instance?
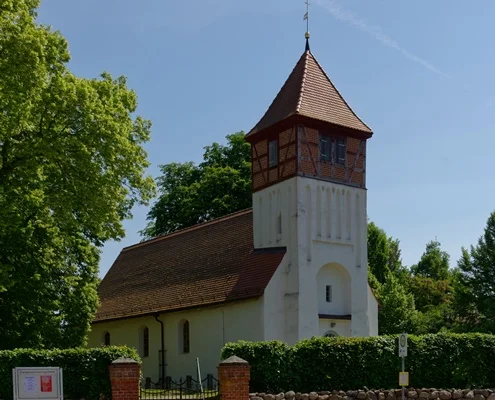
(310, 93)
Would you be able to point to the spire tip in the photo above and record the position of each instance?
(306, 17)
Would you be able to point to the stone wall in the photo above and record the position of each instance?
(410, 394)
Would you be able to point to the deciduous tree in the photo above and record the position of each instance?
(475, 282)
(71, 168)
(383, 253)
(190, 194)
(397, 312)
(434, 262)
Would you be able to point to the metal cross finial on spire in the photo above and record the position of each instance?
(306, 17)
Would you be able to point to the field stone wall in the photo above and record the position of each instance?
(410, 394)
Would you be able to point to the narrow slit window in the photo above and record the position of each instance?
(185, 337)
(328, 293)
(146, 342)
(279, 224)
(272, 153)
(107, 339)
(340, 156)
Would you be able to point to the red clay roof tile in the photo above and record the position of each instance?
(309, 92)
(206, 264)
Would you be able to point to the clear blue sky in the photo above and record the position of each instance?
(420, 73)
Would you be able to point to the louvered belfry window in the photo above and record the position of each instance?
(332, 150)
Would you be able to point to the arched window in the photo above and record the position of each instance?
(107, 339)
(146, 342)
(330, 334)
(184, 339)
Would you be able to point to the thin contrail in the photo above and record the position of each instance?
(351, 18)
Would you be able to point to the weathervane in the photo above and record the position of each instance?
(306, 17)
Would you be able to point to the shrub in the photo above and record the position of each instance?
(269, 361)
(436, 360)
(85, 371)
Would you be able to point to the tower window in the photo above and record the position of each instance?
(107, 339)
(340, 156)
(325, 148)
(332, 150)
(279, 224)
(328, 293)
(272, 153)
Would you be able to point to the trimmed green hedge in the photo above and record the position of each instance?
(85, 371)
(439, 361)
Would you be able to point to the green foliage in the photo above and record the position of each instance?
(434, 263)
(342, 363)
(272, 357)
(440, 318)
(440, 361)
(190, 194)
(397, 312)
(475, 282)
(378, 252)
(383, 253)
(421, 302)
(429, 292)
(71, 168)
(373, 282)
(85, 371)
(433, 300)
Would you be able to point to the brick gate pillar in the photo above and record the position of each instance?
(233, 377)
(124, 378)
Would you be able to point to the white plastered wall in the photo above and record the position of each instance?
(210, 328)
(339, 327)
(323, 224)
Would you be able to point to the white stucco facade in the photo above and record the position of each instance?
(323, 226)
(209, 329)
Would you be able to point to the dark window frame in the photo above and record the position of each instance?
(272, 153)
(107, 339)
(325, 148)
(146, 342)
(336, 149)
(185, 337)
(279, 224)
(328, 293)
(340, 146)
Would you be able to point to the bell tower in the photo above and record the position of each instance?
(308, 155)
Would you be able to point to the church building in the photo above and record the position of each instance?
(292, 267)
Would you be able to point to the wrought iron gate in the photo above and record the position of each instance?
(184, 389)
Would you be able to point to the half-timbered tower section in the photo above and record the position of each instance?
(309, 130)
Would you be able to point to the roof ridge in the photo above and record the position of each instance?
(303, 81)
(276, 97)
(189, 229)
(337, 91)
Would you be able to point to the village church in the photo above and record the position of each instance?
(292, 267)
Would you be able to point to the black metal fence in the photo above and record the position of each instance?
(187, 389)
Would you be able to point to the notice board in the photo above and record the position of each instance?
(44, 383)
